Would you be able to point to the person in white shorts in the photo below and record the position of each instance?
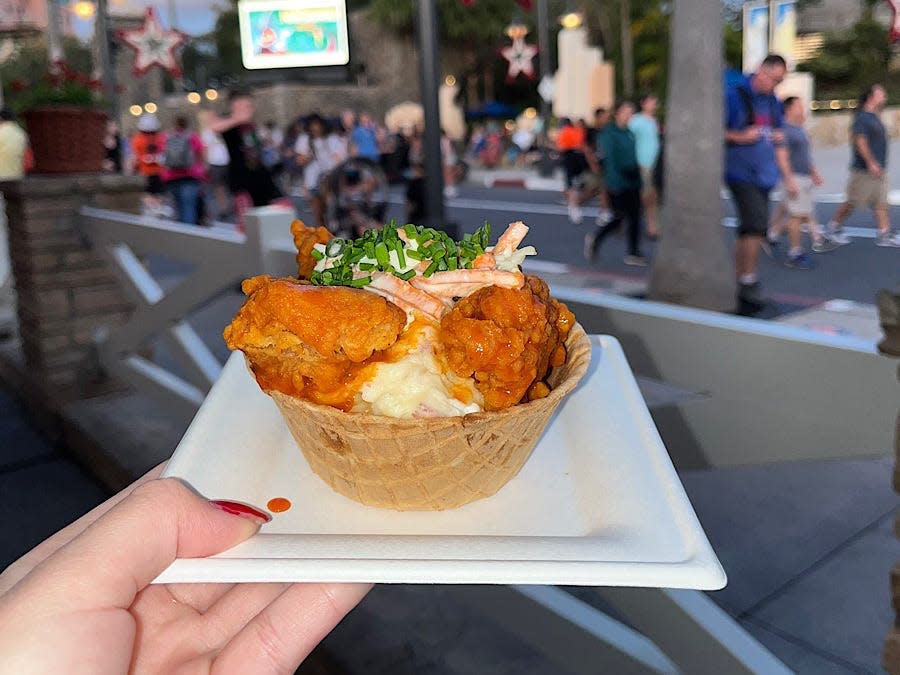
(799, 177)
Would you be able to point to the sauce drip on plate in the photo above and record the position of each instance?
(278, 504)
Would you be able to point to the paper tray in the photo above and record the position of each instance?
(598, 502)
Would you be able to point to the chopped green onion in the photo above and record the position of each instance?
(406, 276)
(381, 255)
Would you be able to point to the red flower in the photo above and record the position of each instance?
(18, 85)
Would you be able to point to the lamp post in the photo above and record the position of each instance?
(107, 72)
(429, 58)
(545, 167)
(54, 37)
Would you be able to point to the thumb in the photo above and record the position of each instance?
(130, 545)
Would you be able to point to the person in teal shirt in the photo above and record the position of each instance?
(646, 136)
(623, 183)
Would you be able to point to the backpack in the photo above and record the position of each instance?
(179, 153)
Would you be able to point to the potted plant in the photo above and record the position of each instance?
(64, 116)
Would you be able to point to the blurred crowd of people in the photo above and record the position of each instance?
(214, 167)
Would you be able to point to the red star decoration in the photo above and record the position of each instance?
(520, 55)
(153, 45)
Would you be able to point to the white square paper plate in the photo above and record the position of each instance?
(598, 503)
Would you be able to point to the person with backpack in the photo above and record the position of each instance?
(184, 171)
(753, 136)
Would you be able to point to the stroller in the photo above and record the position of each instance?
(356, 196)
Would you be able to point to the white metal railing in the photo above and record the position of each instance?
(220, 258)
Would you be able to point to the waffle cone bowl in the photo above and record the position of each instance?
(428, 464)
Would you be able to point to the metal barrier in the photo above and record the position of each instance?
(220, 258)
(773, 392)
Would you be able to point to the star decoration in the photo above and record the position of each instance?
(520, 55)
(153, 45)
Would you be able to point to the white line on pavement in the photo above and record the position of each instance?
(589, 212)
(858, 232)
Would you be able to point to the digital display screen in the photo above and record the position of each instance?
(293, 33)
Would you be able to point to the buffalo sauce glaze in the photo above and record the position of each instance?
(336, 381)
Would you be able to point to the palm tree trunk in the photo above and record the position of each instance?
(693, 264)
(627, 48)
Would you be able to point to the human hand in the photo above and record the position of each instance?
(777, 136)
(817, 179)
(875, 169)
(792, 188)
(81, 602)
(752, 135)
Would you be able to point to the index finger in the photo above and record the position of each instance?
(48, 547)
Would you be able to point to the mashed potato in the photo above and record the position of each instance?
(419, 385)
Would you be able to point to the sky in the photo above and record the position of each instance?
(191, 16)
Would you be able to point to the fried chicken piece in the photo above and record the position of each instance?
(507, 339)
(304, 239)
(312, 341)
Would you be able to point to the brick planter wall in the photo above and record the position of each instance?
(66, 293)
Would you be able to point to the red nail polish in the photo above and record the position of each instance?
(242, 510)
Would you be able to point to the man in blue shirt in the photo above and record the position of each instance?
(753, 136)
(363, 141)
(868, 183)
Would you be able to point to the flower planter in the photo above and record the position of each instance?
(66, 139)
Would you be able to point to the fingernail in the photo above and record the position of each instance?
(241, 510)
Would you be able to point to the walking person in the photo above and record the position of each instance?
(570, 144)
(249, 180)
(13, 147)
(623, 184)
(646, 135)
(184, 171)
(591, 180)
(868, 182)
(147, 150)
(315, 156)
(753, 135)
(799, 176)
(218, 197)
